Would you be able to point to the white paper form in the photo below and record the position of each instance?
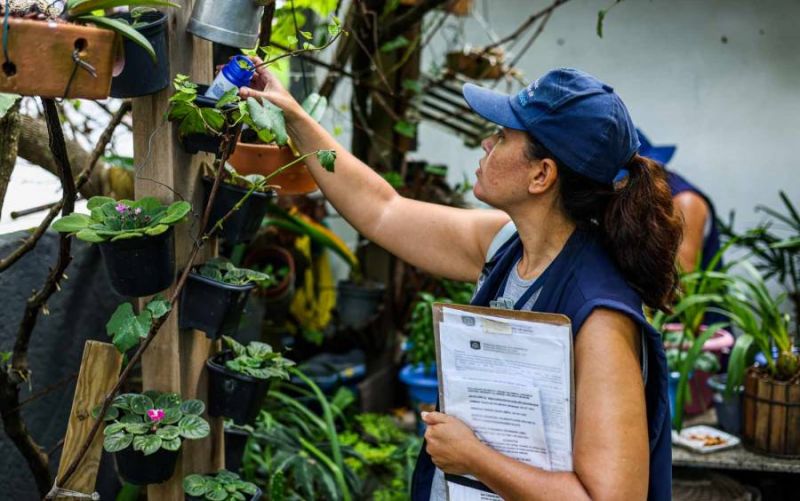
(510, 381)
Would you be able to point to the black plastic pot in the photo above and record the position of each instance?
(142, 76)
(211, 306)
(231, 394)
(245, 222)
(136, 468)
(141, 266)
(358, 304)
(196, 143)
(235, 442)
(255, 497)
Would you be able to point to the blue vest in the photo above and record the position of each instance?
(580, 279)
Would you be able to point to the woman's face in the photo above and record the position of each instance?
(504, 171)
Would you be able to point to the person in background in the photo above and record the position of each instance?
(700, 231)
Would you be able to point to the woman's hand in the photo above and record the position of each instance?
(265, 85)
(451, 443)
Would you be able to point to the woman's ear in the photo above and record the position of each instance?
(543, 175)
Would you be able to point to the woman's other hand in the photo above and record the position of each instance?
(451, 443)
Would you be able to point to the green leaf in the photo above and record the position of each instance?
(124, 400)
(140, 428)
(234, 345)
(193, 407)
(213, 119)
(172, 415)
(168, 432)
(72, 223)
(80, 7)
(315, 105)
(124, 29)
(148, 444)
(327, 159)
(159, 307)
(140, 404)
(90, 236)
(117, 442)
(227, 98)
(395, 44)
(601, 15)
(194, 485)
(126, 329)
(176, 212)
(266, 115)
(6, 102)
(217, 493)
(114, 428)
(259, 350)
(193, 427)
(413, 85)
(131, 418)
(394, 179)
(97, 202)
(171, 445)
(156, 230)
(406, 129)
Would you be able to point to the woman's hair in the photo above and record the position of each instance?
(636, 222)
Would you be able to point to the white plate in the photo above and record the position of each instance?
(693, 439)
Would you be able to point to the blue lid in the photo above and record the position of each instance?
(580, 119)
(237, 75)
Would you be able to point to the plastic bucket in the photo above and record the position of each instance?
(358, 304)
(729, 410)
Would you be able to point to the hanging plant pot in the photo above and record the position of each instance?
(235, 23)
(211, 306)
(771, 423)
(235, 443)
(245, 222)
(264, 159)
(142, 76)
(40, 59)
(476, 65)
(197, 143)
(136, 468)
(278, 298)
(357, 304)
(232, 394)
(141, 266)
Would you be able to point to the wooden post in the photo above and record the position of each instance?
(99, 370)
(175, 360)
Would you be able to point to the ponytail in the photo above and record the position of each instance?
(634, 220)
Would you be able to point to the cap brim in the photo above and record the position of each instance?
(661, 154)
(493, 106)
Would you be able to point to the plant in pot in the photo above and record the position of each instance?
(240, 377)
(222, 486)
(263, 151)
(136, 240)
(145, 72)
(215, 295)
(771, 397)
(145, 432)
(73, 42)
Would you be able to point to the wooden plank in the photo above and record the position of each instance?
(99, 371)
(174, 360)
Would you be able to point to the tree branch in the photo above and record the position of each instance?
(526, 24)
(9, 136)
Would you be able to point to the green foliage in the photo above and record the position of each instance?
(420, 329)
(126, 328)
(405, 129)
(151, 421)
(116, 220)
(86, 12)
(224, 486)
(257, 360)
(222, 270)
(394, 44)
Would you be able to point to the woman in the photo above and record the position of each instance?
(582, 226)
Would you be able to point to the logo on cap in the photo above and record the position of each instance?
(525, 96)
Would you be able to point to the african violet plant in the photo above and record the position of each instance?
(224, 486)
(117, 220)
(257, 360)
(151, 421)
(222, 270)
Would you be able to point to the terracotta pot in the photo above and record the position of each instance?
(771, 423)
(41, 64)
(265, 159)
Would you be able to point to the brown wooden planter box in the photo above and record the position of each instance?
(41, 63)
(771, 421)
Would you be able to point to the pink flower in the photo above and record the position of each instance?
(121, 208)
(138, 211)
(155, 415)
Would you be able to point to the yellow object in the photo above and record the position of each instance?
(313, 303)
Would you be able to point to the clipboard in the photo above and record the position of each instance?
(524, 316)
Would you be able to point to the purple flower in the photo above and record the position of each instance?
(121, 208)
(155, 415)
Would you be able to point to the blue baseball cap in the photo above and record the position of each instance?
(661, 154)
(573, 114)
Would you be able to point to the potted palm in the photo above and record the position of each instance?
(135, 238)
(145, 433)
(215, 295)
(239, 378)
(771, 397)
(72, 42)
(221, 486)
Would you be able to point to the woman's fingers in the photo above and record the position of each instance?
(433, 417)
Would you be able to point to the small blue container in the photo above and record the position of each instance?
(423, 388)
(233, 75)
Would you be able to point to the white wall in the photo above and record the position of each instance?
(732, 108)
